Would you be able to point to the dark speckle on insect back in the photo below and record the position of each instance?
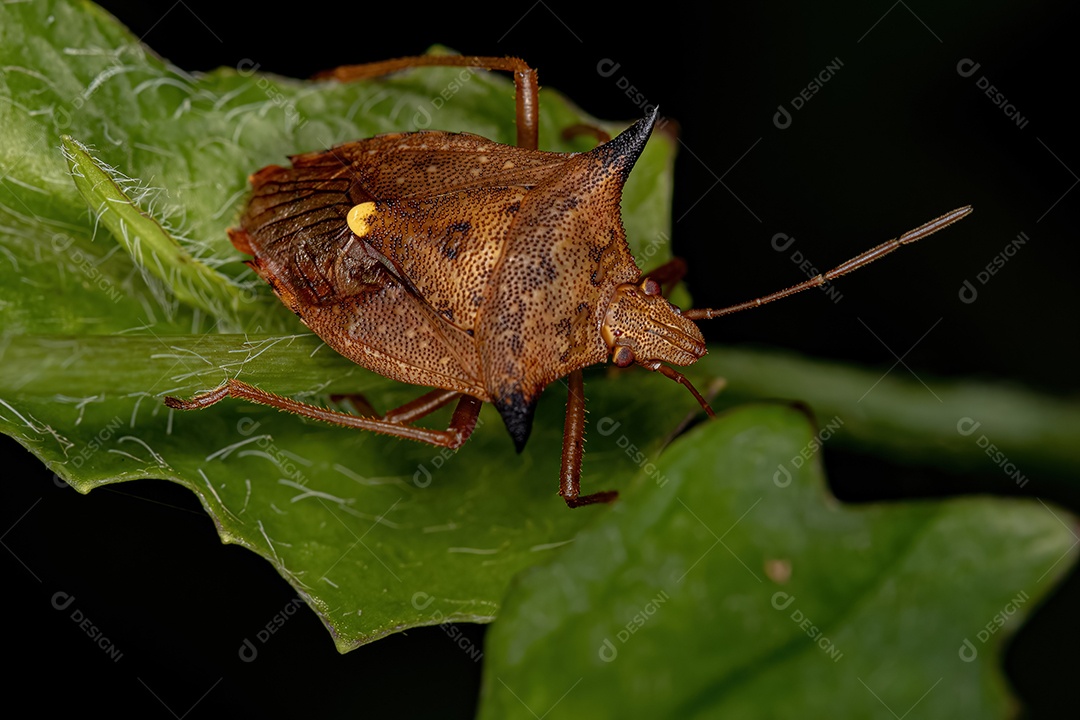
(455, 237)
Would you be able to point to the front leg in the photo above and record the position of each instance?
(574, 448)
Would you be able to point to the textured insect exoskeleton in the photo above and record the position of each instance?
(485, 271)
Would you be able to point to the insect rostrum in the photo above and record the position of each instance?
(483, 270)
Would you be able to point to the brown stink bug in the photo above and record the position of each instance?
(485, 271)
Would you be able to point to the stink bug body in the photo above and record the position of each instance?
(485, 271)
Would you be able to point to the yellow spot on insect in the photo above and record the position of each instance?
(358, 218)
(508, 165)
(482, 159)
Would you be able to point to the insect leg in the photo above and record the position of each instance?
(578, 129)
(678, 377)
(525, 82)
(421, 406)
(407, 413)
(574, 447)
(670, 273)
(359, 403)
(462, 423)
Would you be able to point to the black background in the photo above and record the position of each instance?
(895, 138)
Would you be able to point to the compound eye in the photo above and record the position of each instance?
(623, 356)
(650, 286)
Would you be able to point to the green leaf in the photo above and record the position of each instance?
(969, 426)
(194, 283)
(118, 285)
(730, 584)
(120, 175)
